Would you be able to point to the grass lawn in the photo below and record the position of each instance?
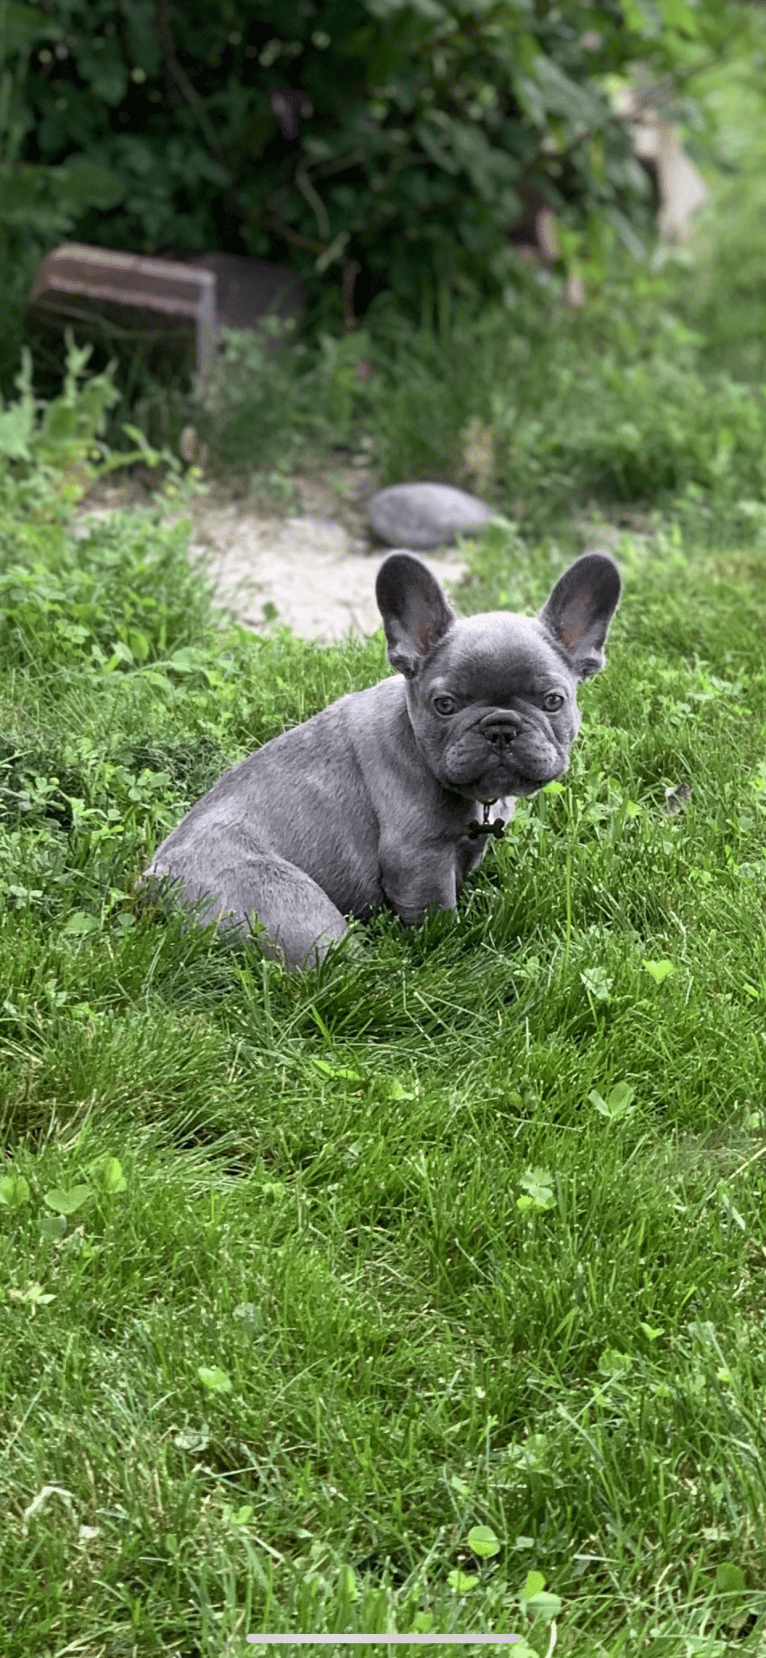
(304, 1278)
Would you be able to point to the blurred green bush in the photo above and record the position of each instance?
(376, 145)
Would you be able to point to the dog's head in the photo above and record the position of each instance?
(492, 698)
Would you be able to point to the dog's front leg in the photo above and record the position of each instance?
(414, 882)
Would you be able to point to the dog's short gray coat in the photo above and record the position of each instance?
(369, 803)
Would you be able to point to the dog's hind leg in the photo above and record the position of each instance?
(300, 922)
(299, 919)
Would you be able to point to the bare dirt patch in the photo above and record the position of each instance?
(304, 557)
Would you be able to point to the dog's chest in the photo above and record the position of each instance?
(472, 848)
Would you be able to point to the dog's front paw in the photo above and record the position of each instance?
(413, 915)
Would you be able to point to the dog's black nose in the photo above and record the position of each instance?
(501, 730)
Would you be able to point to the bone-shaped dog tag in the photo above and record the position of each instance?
(476, 829)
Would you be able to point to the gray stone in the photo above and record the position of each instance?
(425, 515)
(247, 290)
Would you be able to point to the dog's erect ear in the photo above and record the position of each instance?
(580, 608)
(414, 610)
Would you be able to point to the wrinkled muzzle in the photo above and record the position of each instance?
(506, 753)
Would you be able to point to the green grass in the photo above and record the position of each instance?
(463, 1228)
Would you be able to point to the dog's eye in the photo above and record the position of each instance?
(444, 705)
(552, 702)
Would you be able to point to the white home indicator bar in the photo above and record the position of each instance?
(382, 1640)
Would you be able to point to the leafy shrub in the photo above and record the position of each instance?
(544, 411)
(397, 143)
(52, 451)
(721, 291)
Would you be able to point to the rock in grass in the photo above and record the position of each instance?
(425, 515)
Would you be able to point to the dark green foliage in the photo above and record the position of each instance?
(414, 137)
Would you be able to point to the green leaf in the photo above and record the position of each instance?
(461, 1582)
(52, 1227)
(273, 1188)
(14, 1190)
(33, 1296)
(620, 1098)
(108, 1175)
(659, 970)
(633, 15)
(678, 14)
(193, 1439)
(79, 922)
(16, 423)
(534, 1583)
(578, 103)
(342, 1071)
(347, 1586)
(432, 143)
(614, 1363)
(66, 1200)
(544, 1606)
(537, 1185)
(36, 197)
(617, 1103)
(729, 1579)
(396, 1091)
(105, 72)
(186, 660)
(81, 183)
(534, 1452)
(597, 983)
(23, 25)
(218, 1381)
(483, 1541)
(145, 47)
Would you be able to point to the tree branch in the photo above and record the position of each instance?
(176, 74)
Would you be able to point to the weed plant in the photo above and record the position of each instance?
(423, 1290)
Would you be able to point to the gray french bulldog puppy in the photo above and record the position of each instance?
(376, 800)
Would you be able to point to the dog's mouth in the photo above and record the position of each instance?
(521, 785)
(514, 783)
(504, 773)
(528, 785)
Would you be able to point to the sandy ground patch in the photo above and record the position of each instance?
(309, 562)
(314, 574)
